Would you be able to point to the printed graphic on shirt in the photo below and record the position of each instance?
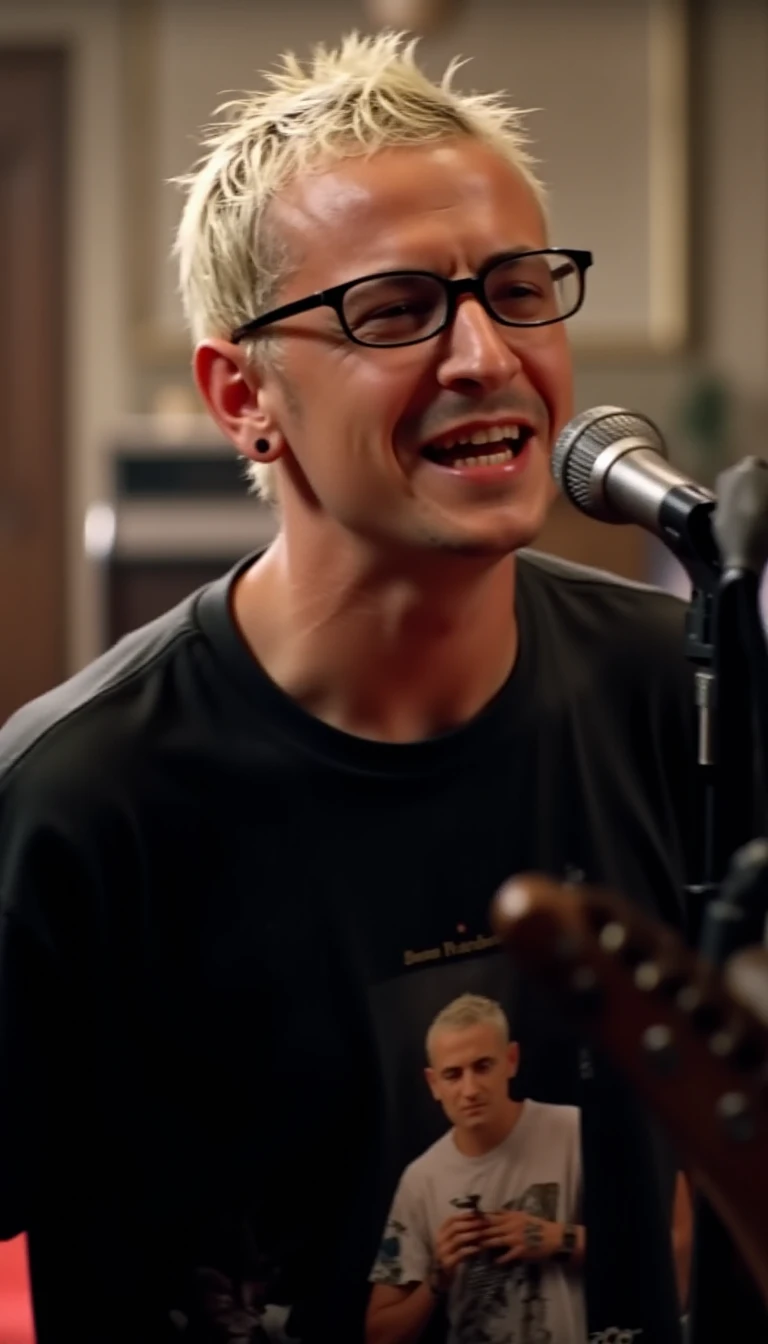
(424, 975)
(490, 1302)
(466, 1140)
(491, 1296)
(403, 1007)
(224, 1309)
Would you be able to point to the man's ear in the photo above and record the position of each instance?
(234, 393)
(430, 1076)
(513, 1059)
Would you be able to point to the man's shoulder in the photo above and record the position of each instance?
(71, 729)
(552, 1116)
(440, 1153)
(588, 585)
(579, 606)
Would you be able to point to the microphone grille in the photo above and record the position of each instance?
(579, 445)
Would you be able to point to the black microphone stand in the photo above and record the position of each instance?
(724, 548)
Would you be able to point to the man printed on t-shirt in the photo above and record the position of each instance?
(487, 1218)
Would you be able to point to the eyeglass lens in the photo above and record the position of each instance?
(523, 291)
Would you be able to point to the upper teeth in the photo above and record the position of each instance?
(493, 435)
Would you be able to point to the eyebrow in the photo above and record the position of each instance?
(557, 273)
(473, 1063)
(516, 250)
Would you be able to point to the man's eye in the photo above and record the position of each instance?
(393, 311)
(518, 291)
(397, 309)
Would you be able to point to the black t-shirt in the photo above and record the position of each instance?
(226, 927)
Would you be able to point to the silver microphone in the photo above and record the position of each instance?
(612, 464)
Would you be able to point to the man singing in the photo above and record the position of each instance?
(237, 846)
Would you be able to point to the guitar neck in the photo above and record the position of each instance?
(695, 1054)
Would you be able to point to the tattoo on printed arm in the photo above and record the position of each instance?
(533, 1235)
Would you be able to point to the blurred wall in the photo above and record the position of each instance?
(666, 177)
(99, 375)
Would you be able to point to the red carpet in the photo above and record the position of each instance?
(15, 1308)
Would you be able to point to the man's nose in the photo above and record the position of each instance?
(478, 352)
(468, 1084)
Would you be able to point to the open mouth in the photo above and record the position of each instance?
(489, 448)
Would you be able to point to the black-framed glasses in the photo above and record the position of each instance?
(519, 289)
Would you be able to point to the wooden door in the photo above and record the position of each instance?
(33, 258)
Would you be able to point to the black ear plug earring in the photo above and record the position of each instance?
(262, 445)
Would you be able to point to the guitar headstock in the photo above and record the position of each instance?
(694, 1052)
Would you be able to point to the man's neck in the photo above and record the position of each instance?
(478, 1142)
(397, 655)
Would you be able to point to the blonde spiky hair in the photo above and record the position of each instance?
(365, 95)
(469, 1010)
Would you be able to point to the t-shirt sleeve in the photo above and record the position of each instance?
(573, 1205)
(405, 1253)
(577, 1213)
(46, 1007)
